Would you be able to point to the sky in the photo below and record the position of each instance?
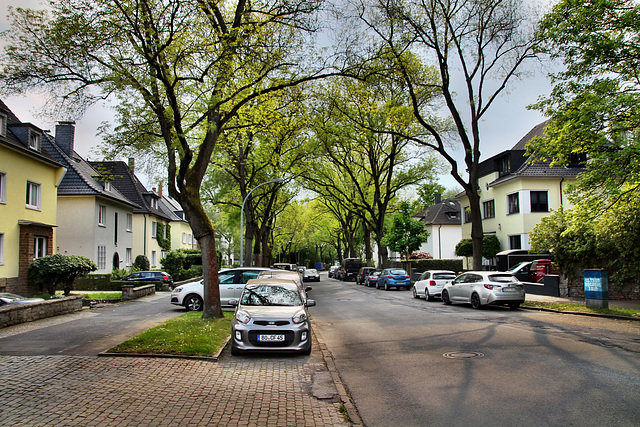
(507, 121)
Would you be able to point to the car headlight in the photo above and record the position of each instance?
(177, 290)
(299, 317)
(243, 317)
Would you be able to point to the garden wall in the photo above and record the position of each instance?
(29, 312)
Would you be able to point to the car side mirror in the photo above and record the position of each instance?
(310, 303)
(308, 288)
(233, 302)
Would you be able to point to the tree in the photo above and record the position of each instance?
(53, 270)
(406, 234)
(490, 246)
(595, 103)
(179, 71)
(481, 44)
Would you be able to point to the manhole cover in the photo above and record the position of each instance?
(463, 354)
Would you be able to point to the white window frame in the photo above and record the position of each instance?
(154, 203)
(39, 246)
(153, 258)
(34, 140)
(129, 222)
(102, 215)
(102, 257)
(31, 186)
(3, 125)
(128, 257)
(518, 204)
(184, 238)
(3, 187)
(1, 248)
(154, 229)
(107, 185)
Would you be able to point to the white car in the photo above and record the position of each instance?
(232, 281)
(480, 288)
(431, 282)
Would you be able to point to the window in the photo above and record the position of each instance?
(34, 140)
(33, 195)
(3, 187)
(107, 185)
(539, 201)
(190, 239)
(513, 203)
(39, 247)
(184, 238)
(115, 229)
(128, 257)
(154, 229)
(129, 222)
(3, 125)
(102, 215)
(102, 257)
(467, 214)
(153, 258)
(515, 242)
(489, 209)
(504, 166)
(1, 248)
(154, 203)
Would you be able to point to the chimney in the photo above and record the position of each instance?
(132, 165)
(65, 136)
(160, 190)
(438, 198)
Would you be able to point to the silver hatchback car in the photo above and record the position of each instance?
(480, 288)
(271, 315)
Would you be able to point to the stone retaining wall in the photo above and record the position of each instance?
(129, 292)
(39, 310)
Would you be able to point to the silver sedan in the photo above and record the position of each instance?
(480, 288)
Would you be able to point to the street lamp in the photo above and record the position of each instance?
(242, 217)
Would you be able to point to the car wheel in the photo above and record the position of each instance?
(235, 351)
(427, 297)
(445, 298)
(386, 286)
(306, 352)
(415, 293)
(193, 303)
(475, 301)
(514, 306)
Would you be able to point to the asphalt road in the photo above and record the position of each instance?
(409, 362)
(89, 332)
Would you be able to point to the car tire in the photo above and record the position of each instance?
(193, 303)
(386, 286)
(235, 351)
(514, 306)
(306, 352)
(445, 298)
(415, 293)
(475, 301)
(427, 297)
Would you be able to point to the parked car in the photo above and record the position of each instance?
(150, 276)
(393, 278)
(332, 270)
(284, 266)
(7, 298)
(431, 282)
(480, 288)
(310, 275)
(339, 273)
(533, 271)
(372, 279)
(271, 315)
(291, 275)
(232, 280)
(363, 273)
(350, 268)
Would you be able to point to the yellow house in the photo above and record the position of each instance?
(516, 195)
(29, 177)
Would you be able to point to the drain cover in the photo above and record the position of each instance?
(463, 354)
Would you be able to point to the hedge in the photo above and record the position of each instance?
(421, 265)
(96, 282)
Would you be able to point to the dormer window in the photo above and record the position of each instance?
(107, 185)
(504, 166)
(154, 203)
(34, 140)
(3, 125)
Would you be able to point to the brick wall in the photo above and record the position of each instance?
(27, 248)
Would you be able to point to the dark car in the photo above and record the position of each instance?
(363, 273)
(350, 268)
(149, 276)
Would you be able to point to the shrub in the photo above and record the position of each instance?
(53, 270)
(180, 262)
(142, 263)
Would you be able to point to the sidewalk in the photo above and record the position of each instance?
(635, 305)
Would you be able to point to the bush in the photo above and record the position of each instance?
(53, 270)
(97, 282)
(180, 264)
(142, 263)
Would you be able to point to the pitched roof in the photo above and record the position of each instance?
(17, 140)
(129, 185)
(538, 130)
(446, 212)
(81, 178)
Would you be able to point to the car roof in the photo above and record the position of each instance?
(224, 270)
(274, 282)
(440, 271)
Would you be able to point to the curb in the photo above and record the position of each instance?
(345, 397)
(580, 313)
(213, 358)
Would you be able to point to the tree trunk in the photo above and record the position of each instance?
(211, 306)
(477, 233)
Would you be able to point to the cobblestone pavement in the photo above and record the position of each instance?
(106, 391)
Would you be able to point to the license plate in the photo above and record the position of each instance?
(508, 289)
(271, 338)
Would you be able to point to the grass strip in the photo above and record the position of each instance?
(186, 335)
(626, 312)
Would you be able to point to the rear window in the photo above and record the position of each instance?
(445, 276)
(397, 272)
(502, 278)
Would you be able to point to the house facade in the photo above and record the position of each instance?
(29, 177)
(516, 195)
(94, 218)
(443, 222)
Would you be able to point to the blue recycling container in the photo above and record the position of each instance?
(596, 284)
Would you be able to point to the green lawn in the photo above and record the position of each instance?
(187, 335)
(627, 312)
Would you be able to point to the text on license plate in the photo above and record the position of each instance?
(271, 338)
(508, 289)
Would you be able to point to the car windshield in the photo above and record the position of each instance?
(269, 295)
(311, 271)
(397, 272)
(502, 278)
